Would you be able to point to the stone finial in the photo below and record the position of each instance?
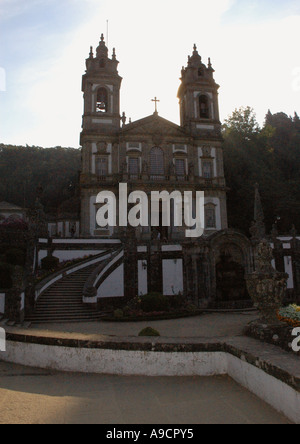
(209, 63)
(274, 232)
(91, 53)
(258, 228)
(124, 118)
(102, 37)
(293, 231)
(114, 57)
(258, 208)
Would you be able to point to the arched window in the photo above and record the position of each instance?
(204, 107)
(102, 101)
(157, 167)
(210, 217)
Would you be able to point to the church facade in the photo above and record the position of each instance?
(154, 154)
(151, 154)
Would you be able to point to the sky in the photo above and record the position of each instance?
(253, 45)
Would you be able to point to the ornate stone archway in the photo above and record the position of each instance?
(232, 259)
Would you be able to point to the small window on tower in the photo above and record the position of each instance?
(102, 101)
(102, 63)
(101, 167)
(210, 217)
(133, 167)
(207, 170)
(200, 72)
(180, 168)
(204, 107)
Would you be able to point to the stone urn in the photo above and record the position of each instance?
(267, 287)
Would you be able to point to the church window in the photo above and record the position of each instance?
(204, 107)
(102, 63)
(133, 167)
(200, 72)
(102, 101)
(101, 167)
(157, 168)
(207, 170)
(210, 217)
(180, 167)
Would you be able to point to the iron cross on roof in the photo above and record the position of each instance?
(156, 101)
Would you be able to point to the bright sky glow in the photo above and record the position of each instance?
(254, 47)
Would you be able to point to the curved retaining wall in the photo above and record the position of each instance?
(276, 384)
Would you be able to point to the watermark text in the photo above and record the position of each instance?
(2, 340)
(296, 342)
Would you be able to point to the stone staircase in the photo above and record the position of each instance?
(62, 302)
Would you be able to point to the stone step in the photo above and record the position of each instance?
(62, 302)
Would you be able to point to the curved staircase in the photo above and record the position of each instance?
(62, 302)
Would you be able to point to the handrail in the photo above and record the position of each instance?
(51, 279)
(90, 289)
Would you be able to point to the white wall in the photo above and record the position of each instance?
(2, 303)
(120, 362)
(69, 255)
(289, 270)
(143, 278)
(113, 286)
(172, 276)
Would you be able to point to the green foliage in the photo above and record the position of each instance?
(50, 263)
(154, 302)
(15, 256)
(242, 123)
(177, 301)
(191, 308)
(269, 156)
(24, 169)
(149, 331)
(5, 276)
(118, 314)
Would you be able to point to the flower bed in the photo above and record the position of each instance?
(290, 315)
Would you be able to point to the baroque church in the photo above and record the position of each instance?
(154, 154)
(108, 266)
(151, 154)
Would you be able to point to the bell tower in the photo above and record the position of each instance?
(198, 96)
(101, 87)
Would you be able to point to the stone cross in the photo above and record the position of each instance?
(156, 101)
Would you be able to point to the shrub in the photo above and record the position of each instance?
(5, 278)
(154, 302)
(50, 263)
(15, 256)
(126, 311)
(149, 331)
(177, 302)
(191, 308)
(118, 314)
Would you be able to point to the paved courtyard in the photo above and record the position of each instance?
(33, 396)
(211, 325)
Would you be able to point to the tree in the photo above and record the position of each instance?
(242, 123)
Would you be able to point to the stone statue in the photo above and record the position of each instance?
(191, 169)
(264, 257)
(266, 286)
(172, 169)
(124, 167)
(145, 167)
